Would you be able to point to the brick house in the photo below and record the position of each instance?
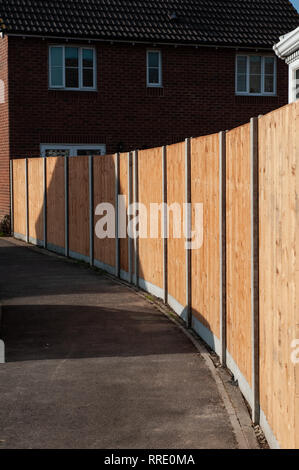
(101, 76)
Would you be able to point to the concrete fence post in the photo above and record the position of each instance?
(130, 200)
(222, 244)
(165, 224)
(136, 237)
(26, 200)
(188, 222)
(117, 247)
(66, 199)
(11, 197)
(91, 211)
(255, 268)
(45, 201)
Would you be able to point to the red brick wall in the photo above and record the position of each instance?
(4, 132)
(199, 98)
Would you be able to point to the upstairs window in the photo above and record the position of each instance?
(154, 69)
(255, 75)
(72, 68)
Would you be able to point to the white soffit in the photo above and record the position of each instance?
(288, 44)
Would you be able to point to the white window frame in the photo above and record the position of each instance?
(80, 55)
(148, 84)
(73, 148)
(263, 92)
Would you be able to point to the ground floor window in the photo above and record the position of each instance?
(60, 150)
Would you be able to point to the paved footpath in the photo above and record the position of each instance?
(91, 364)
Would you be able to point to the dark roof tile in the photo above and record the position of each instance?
(218, 22)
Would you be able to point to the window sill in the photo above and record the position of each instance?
(256, 95)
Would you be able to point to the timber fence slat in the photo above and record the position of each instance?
(165, 223)
(151, 261)
(67, 208)
(45, 202)
(55, 188)
(130, 201)
(238, 221)
(176, 260)
(122, 221)
(188, 223)
(222, 246)
(117, 244)
(205, 277)
(91, 211)
(104, 192)
(35, 196)
(254, 269)
(19, 198)
(79, 207)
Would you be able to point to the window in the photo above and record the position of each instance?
(255, 75)
(297, 84)
(60, 150)
(154, 69)
(72, 68)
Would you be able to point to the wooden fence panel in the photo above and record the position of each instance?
(19, 196)
(279, 279)
(79, 206)
(36, 199)
(104, 192)
(123, 190)
(206, 259)
(176, 246)
(150, 191)
(55, 202)
(238, 204)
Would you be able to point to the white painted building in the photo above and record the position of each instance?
(288, 49)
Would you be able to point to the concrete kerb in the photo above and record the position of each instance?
(239, 418)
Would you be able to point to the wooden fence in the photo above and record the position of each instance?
(239, 291)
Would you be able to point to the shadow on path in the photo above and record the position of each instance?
(90, 364)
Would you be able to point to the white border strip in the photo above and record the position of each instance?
(124, 275)
(243, 384)
(20, 236)
(36, 241)
(272, 441)
(151, 288)
(181, 311)
(56, 249)
(206, 335)
(104, 267)
(78, 256)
